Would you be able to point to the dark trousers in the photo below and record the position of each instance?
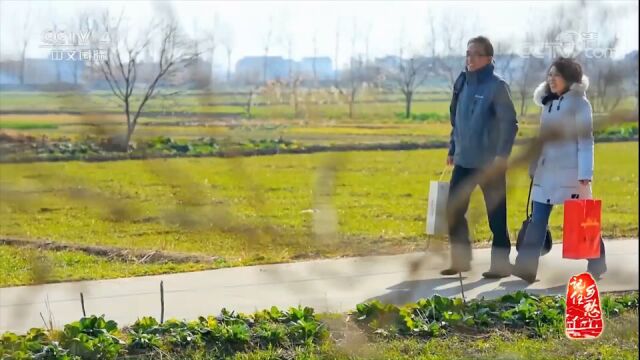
(463, 182)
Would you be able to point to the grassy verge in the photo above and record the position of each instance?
(20, 266)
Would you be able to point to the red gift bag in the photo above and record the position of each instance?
(581, 231)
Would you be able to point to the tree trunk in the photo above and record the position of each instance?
(408, 98)
(315, 72)
(211, 68)
(523, 106)
(295, 99)
(130, 126)
(336, 78)
(352, 101)
(228, 66)
(22, 67)
(249, 104)
(127, 141)
(264, 70)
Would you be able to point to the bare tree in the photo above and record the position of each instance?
(295, 98)
(57, 55)
(229, 51)
(289, 41)
(431, 40)
(77, 26)
(249, 104)
(401, 41)
(294, 77)
(89, 29)
(120, 68)
(315, 57)
(253, 91)
(336, 79)
(505, 57)
(431, 44)
(24, 43)
(449, 62)
(196, 61)
(367, 38)
(606, 74)
(213, 40)
(531, 66)
(355, 67)
(227, 42)
(356, 73)
(607, 84)
(86, 38)
(202, 73)
(410, 75)
(268, 38)
(530, 75)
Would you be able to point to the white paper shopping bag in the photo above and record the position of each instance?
(437, 208)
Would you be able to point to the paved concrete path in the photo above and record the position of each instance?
(327, 285)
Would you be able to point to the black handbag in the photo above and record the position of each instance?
(548, 241)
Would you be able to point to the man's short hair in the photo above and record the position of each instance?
(484, 42)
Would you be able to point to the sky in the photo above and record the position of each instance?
(244, 24)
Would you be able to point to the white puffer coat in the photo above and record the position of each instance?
(563, 162)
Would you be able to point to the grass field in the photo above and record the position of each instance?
(385, 107)
(377, 118)
(323, 133)
(257, 210)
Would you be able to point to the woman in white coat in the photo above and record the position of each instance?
(564, 169)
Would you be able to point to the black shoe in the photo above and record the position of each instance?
(454, 270)
(528, 277)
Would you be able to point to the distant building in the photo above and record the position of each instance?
(323, 67)
(251, 69)
(388, 63)
(42, 71)
(48, 71)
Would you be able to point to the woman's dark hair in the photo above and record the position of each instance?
(569, 69)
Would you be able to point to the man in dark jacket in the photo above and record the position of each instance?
(484, 129)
